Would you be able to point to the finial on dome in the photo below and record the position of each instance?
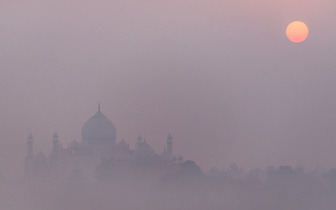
(99, 107)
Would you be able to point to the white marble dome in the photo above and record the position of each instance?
(99, 130)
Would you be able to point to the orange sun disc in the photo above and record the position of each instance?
(297, 31)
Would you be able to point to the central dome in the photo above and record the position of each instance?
(99, 130)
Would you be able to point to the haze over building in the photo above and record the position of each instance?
(98, 144)
(221, 76)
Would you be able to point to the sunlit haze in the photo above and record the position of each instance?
(220, 76)
(176, 104)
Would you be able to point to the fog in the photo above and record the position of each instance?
(231, 188)
(219, 75)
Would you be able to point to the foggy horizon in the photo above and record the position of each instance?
(220, 76)
(202, 105)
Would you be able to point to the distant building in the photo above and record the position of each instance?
(98, 145)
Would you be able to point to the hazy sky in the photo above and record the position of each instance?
(219, 75)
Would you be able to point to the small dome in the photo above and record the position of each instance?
(98, 130)
(144, 150)
(123, 145)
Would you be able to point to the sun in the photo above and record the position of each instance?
(297, 31)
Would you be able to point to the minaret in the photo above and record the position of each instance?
(180, 159)
(29, 162)
(170, 144)
(56, 146)
(30, 147)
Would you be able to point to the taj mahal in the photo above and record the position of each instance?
(98, 144)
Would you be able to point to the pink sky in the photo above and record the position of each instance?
(221, 77)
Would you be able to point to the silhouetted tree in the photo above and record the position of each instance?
(188, 174)
(285, 170)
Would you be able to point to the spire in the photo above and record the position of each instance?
(30, 138)
(99, 107)
(56, 146)
(30, 146)
(170, 144)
